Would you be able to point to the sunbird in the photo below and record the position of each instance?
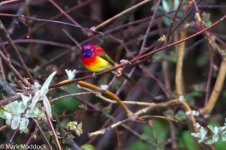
(95, 59)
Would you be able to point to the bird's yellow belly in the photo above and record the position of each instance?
(98, 64)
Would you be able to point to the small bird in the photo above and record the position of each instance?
(95, 59)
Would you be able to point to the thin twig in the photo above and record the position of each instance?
(102, 131)
(49, 21)
(8, 1)
(3, 127)
(42, 133)
(73, 39)
(69, 95)
(7, 61)
(167, 104)
(63, 12)
(211, 65)
(54, 132)
(149, 28)
(7, 36)
(119, 15)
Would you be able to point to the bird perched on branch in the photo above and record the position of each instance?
(95, 59)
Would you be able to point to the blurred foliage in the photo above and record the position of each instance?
(186, 141)
(156, 135)
(68, 104)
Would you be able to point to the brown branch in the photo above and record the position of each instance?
(106, 93)
(216, 90)
(171, 103)
(9, 99)
(179, 67)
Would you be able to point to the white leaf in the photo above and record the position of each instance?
(165, 6)
(37, 86)
(176, 4)
(104, 87)
(23, 124)
(7, 115)
(45, 86)
(14, 107)
(47, 106)
(25, 99)
(35, 99)
(71, 73)
(223, 135)
(8, 122)
(15, 122)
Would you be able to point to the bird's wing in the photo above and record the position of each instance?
(105, 56)
(100, 52)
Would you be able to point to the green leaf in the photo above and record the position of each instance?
(158, 56)
(180, 115)
(75, 127)
(5, 115)
(186, 141)
(220, 145)
(190, 97)
(33, 112)
(167, 21)
(106, 110)
(139, 145)
(70, 104)
(2, 114)
(88, 147)
(159, 127)
(172, 57)
(72, 88)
